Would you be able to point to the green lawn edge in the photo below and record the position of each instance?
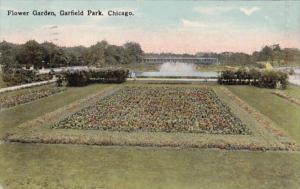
(38, 131)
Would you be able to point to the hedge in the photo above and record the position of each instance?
(93, 75)
(22, 76)
(260, 78)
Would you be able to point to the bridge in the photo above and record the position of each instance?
(181, 60)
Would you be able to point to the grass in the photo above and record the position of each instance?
(293, 91)
(14, 98)
(69, 166)
(40, 131)
(284, 113)
(22, 113)
(74, 166)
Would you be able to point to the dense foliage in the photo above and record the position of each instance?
(91, 75)
(49, 55)
(8, 100)
(260, 78)
(22, 76)
(273, 54)
(158, 109)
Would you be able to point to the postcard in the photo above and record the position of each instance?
(149, 94)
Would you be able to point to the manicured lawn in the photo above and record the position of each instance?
(293, 91)
(81, 166)
(284, 113)
(19, 114)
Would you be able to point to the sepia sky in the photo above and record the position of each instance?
(159, 26)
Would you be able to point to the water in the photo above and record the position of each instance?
(294, 79)
(178, 70)
(178, 74)
(177, 67)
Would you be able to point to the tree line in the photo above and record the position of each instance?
(273, 54)
(49, 55)
(101, 54)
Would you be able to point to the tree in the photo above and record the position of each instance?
(291, 55)
(266, 54)
(96, 54)
(133, 52)
(113, 54)
(7, 59)
(77, 55)
(48, 49)
(33, 54)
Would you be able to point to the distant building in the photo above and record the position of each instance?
(158, 60)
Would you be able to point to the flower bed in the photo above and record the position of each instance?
(158, 109)
(12, 99)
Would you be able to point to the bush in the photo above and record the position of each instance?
(22, 76)
(92, 75)
(43, 77)
(265, 79)
(109, 74)
(77, 77)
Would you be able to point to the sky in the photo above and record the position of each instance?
(159, 26)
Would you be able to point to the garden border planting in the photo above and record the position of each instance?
(158, 109)
(264, 136)
(19, 97)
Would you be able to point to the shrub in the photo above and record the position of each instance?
(92, 75)
(265, 78)
(43, 77)
(109, 74)
(77, 77)
(21, 76)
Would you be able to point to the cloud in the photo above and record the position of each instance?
(249, 11)
(213, 10)
(194, 24)
(50, 27)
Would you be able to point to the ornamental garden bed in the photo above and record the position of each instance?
(197, 116)
(158, 109)
(11, 99)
